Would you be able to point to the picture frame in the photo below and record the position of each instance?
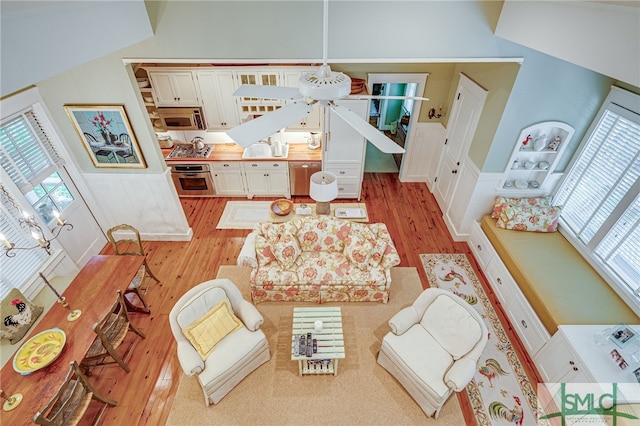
(636, 374)
(619, 359)
(106, 135)
(622, 334)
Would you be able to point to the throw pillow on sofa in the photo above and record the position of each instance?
(286, 250)
(323, 234)
(358, 251)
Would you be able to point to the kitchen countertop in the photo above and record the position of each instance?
(233, 152)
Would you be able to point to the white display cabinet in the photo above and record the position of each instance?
(534, 158)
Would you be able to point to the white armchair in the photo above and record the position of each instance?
(236, 355)
(433, 347)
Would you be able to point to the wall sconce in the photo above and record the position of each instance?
(432, 113)
(36, 232)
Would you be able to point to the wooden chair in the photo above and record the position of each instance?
(71, 401)
(123, 244)
(111, 332)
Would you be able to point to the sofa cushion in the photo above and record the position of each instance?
(452, 326)
(527, 218)
(286, 250)
(358, 250)
(208, 330)
(322, 234)
(264, 255)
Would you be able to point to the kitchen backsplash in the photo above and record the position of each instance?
(185, 136)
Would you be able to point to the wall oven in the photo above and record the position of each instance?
(182, 118)
(193, 180)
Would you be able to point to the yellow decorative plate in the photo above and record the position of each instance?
(39, 351)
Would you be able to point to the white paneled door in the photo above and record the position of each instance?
(465, 114)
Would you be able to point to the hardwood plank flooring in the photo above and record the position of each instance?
(145, 394)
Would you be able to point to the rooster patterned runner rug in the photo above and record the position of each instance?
(500, 392)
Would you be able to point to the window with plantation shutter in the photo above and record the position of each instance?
(601, 192)
(32, 163)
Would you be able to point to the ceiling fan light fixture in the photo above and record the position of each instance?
(324, 84)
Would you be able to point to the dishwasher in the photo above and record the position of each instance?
(300, 176)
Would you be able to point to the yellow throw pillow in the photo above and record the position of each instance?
(205, 332)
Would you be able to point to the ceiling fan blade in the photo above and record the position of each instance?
(417, 98)
(259, 128)
(268, 92)
(375, 136)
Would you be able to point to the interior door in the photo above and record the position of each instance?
(463, 120)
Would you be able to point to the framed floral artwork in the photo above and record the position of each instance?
(106, 135)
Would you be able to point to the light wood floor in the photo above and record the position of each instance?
(145, 394)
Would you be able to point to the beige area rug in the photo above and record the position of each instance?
(500, 392)
(243, 214)
(363, 393)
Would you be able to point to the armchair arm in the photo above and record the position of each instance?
(403, 320)
(460, 374)
(249, 315)
(247, 256)
(190, 361)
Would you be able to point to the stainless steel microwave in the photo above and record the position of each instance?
(182, 118)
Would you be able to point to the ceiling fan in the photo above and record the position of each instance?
(323, 87)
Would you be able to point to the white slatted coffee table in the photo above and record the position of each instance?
(330, 340)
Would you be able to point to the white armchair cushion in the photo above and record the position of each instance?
(199, 305)
(208, 330)
(452, 326)
(422, 355)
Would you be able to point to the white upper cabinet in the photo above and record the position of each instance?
(174, 88)
(534, 158)
(312, 122)
(219, 104)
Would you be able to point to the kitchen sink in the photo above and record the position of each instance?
(262, 150)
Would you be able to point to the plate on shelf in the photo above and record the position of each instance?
(39, 351)
(533, 184)
(507, 184)
(520, 184)
(543, 165)
(529, 165)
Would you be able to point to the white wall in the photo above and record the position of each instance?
(601, 37)
(42, 39)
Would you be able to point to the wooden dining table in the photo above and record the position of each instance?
(93, 291)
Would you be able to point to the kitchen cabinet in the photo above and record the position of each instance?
(266, 178)
(258, 106)
(174, 88)
(344, 149)
(534, 157)
(312, 122)
(220, 107)
(228, 178)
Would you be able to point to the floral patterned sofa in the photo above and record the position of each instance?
(319, 259)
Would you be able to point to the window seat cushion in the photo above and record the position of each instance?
(560, 285)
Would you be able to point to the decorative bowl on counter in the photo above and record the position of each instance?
(282, 207)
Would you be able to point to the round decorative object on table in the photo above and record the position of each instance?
(39, 351)
(282, 207)
(520, 184)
